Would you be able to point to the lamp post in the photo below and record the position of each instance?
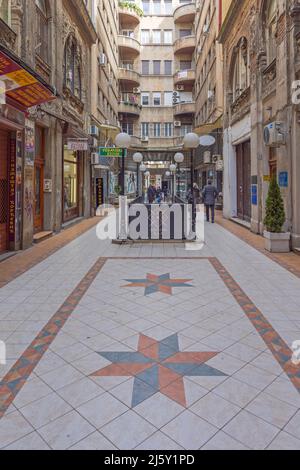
(137, 158)
(123, 141)
(173, 167)
(191, 141)
(179, 158)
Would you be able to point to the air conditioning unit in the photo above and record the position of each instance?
(95, 158)
(94, 131)
(145, 138)
(136, 90)
(94, 143)
(274, 134)
(210, 94)
(180, 88)
(102, 59)
(177, 124)
(207, 157)
(205, 29)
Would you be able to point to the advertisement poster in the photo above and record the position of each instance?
(19, 85)
(29, 143)
(130, 182)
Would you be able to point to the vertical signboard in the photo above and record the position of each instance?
(99, 192)
(12, 188)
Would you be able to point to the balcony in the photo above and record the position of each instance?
(184, 108)
(128, 15)
(129, 77)
(129, 108)
(185, 13)
(185, 45)
(185, 77)
(128, 46)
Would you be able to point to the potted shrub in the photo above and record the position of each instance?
(276, 240)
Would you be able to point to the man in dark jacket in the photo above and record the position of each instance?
(210, 194)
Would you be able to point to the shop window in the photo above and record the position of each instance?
(70, 184)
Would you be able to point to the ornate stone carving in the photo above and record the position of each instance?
(7, 36)
(240, 106)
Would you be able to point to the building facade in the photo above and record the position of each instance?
(261, 123)
(209, 92)
(50, 141)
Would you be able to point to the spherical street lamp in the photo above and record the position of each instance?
(191, 141)
(143, 167)
(123, 141)
(173, 167)
(168, 174)
(137, 158)
(179, 157)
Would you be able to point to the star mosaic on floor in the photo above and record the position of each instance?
(158, 366)
(155, 283)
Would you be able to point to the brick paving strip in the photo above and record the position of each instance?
(18, 264)
(14, 380)
(288, 261)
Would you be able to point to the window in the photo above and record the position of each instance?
(168, 7)
(146, 7)
(168, 129)
(241, 69)
(270, 32)
(156, 98)
(168, 98)
(42, 37)
(145, 99)
(156, 36)
(127, 127)
(168, 67)
(145, 36)
(72, 67)
(156, 67)
(145, 129)
(168, 36)
(185, 32)
(156, 129)
(145, 67)
(5, 10)
(185, 65)
(156, 7)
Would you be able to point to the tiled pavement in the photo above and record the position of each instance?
(151, 347)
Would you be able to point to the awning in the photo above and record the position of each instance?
(22, 86)
(209, 128)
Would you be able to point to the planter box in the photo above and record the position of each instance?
(277, 242)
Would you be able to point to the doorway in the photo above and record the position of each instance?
(243, 171)
(3, 190)
(38, 209)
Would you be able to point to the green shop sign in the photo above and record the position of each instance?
(110, 152)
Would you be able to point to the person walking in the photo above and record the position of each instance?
(210, 193)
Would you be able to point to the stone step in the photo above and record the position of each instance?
(41, 236)
(297, 251)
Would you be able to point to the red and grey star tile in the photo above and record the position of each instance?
(158, 283)
(158, 366)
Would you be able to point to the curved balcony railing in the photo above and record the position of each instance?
(185, 45)
(184, 108)
(185, 13)
(129, 44)
(184, 76)
(128, 75)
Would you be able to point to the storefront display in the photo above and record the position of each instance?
(71, 184)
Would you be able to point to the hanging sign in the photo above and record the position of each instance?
(78, 144)
(254, 194)
(110, 152)
(283, 179)
(20, 85)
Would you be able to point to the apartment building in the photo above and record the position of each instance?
(157, 75)
(105, 94)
